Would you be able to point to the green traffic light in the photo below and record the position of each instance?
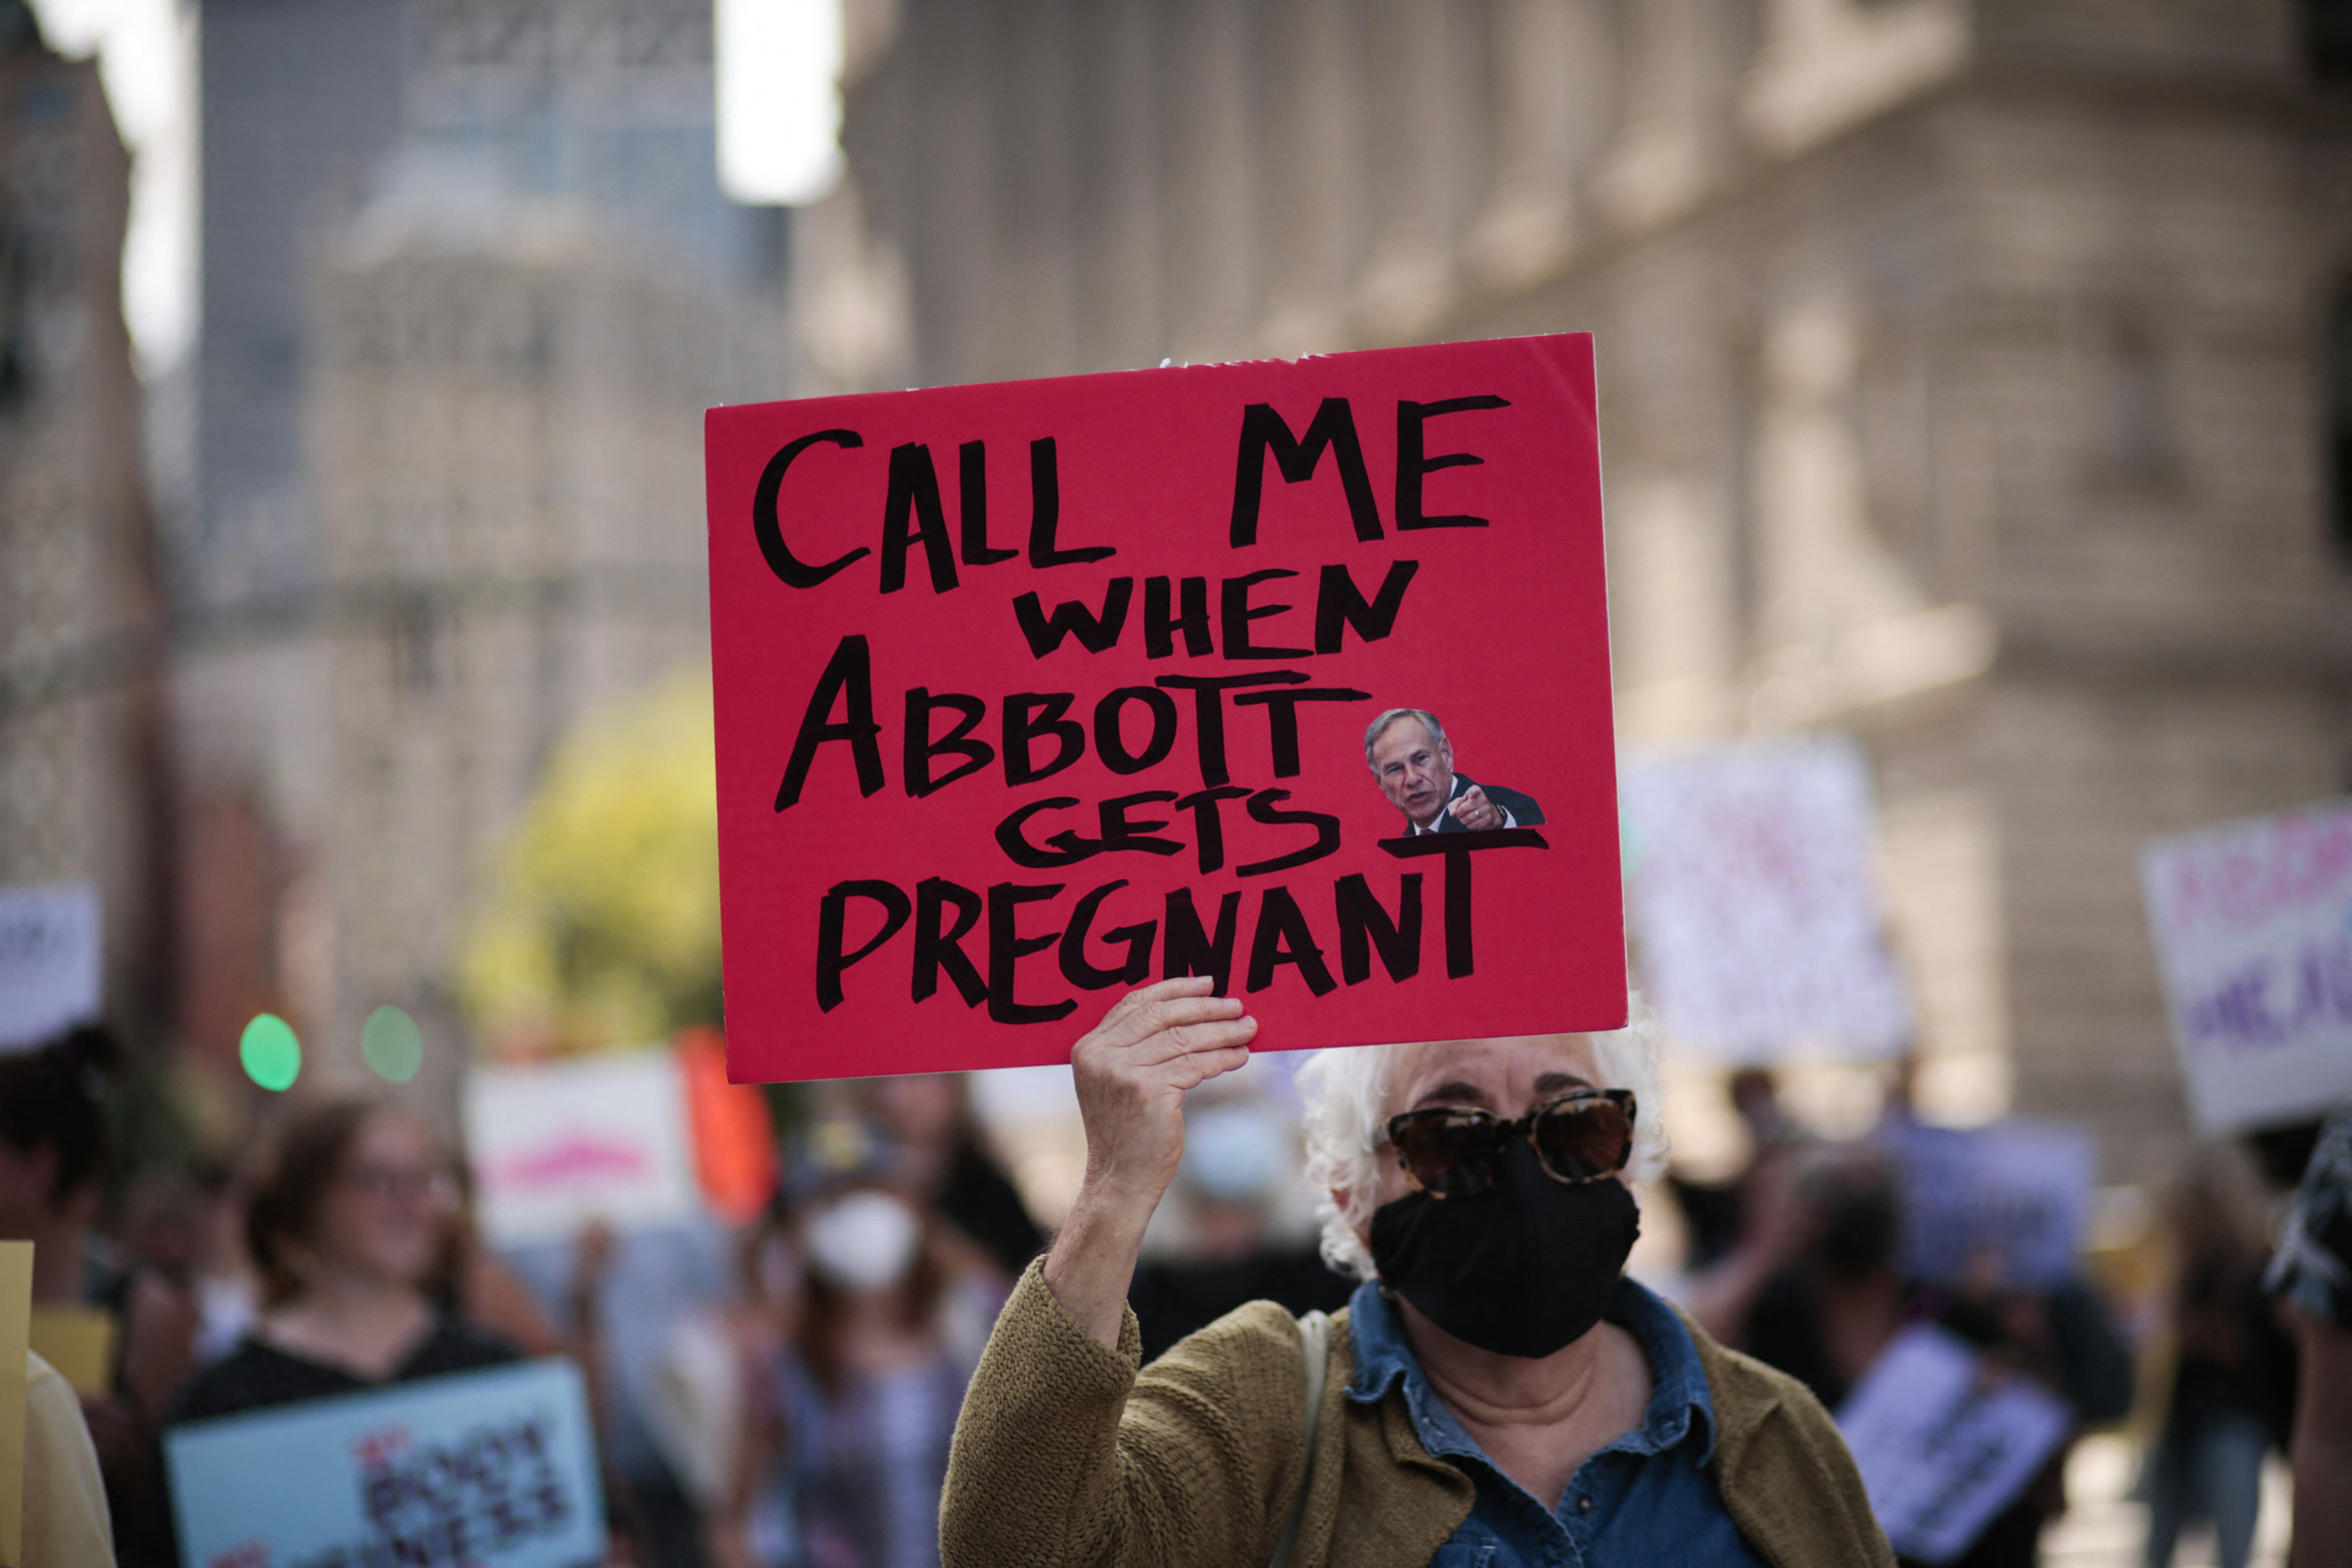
(393, 1045)
(272, 1057)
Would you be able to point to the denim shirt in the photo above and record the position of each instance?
(1648, 1497)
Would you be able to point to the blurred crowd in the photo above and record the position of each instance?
(780, 1394)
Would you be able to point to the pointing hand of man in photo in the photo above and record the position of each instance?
(1473, 810)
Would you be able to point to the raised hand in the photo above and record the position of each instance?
(1132, 1070)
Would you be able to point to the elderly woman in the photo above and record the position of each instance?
(1497, 1393)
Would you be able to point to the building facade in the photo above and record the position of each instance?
(470, 283)
(1964, 373)
(83, 748)
(511, 346)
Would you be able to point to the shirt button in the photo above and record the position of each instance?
(1584, 1503)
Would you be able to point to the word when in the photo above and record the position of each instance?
(1339, 606)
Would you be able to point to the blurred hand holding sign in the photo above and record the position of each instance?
(2253, 933)
(486, 1470)
(1942, 1447)
(1755, 903)
(49, 961)
(1031, 693)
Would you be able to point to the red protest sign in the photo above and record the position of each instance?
(1033, 692)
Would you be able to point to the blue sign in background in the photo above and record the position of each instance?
(494, 1468)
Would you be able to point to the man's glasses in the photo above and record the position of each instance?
(1453, 1151)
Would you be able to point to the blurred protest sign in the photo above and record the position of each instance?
(1033, 692)
(79, 1343)
(2253, 933)
(1755, 905)
(2014, 1197)
(16, 1310)
(556, 1144)
(1941, 1450)
(734, 1137)
(495, 1468)
(49, 961)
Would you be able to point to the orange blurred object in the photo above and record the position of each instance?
(734, 1140)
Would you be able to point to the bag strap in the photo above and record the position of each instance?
(1315, 1344)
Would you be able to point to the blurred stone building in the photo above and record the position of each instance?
(1963, 364)
(83, 754)
(503, 338)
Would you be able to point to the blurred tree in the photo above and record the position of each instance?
(601, 928)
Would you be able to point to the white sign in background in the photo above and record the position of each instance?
(482, 1470)
(1754, 899)
(49, 961)
(556, 1144)
(2253, 923)
(1941, 1450)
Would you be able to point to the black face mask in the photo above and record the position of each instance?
(1523, 1269)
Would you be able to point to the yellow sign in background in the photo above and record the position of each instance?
(15, 1323)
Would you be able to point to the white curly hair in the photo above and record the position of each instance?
(1343, 1092)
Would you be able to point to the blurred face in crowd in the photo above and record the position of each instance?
(919, 1109)
(1508, 1076)
(387, 1209)
(28, 1177)
(1415, 770)
(863, 1242)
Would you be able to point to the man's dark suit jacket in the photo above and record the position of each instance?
(1522, 807)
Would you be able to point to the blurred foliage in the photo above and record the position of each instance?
(601, 927)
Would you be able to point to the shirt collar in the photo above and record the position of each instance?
(1680, 1406)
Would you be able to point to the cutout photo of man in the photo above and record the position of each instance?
(1412, 762)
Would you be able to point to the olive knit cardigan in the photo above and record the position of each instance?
(1064, 1456)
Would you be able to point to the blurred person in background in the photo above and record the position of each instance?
(753, 1519)
(1241, 1159)
(2311, 1275)
(352, 1226)
(942, 1155)
(2234, 1382)
(222, 1285)
(53, 1157)
(1718, 1215)
(1823, 1293)
(162, 1223)
(619, 1295)
(2065, 1337)
(62, 1511)
(1818, 1291)
(473, 1281)
(880, 1325)
(349, 1228)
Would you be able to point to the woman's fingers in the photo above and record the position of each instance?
(1189, 999)
(1203, 1064)
(1145, 996)
(1176, 1039)
(1163, 1020)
